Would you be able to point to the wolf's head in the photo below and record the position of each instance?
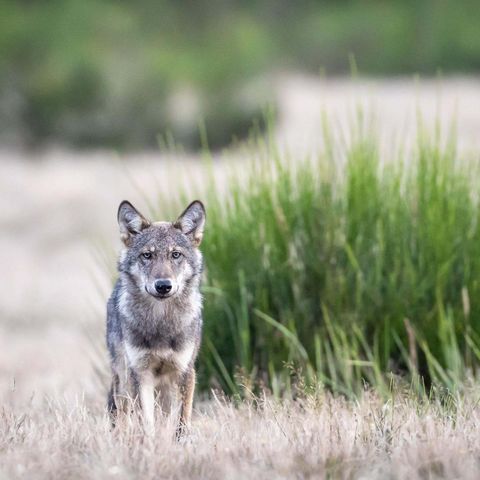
(161, 258)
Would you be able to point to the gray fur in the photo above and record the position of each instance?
(153, 337)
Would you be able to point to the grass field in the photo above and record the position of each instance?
(317, 436)
(332, 283)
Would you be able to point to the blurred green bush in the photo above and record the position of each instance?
(103, 72)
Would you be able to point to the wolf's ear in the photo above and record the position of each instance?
(192, 221)
(130, 221)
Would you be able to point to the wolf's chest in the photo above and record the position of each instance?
(161, 361)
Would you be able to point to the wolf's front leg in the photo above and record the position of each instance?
(187, 389)
(111, 400)
(146, 389)
(120, 397)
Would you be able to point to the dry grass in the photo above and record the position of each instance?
(318, 436)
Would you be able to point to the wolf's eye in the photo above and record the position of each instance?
(147, 255)
(176, 254)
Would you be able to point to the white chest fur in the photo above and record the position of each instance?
(145, 359)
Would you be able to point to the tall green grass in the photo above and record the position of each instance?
(353, 268)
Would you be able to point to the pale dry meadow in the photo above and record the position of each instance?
(316, 436)
(58, 213)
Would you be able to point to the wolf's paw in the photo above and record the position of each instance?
(182, 434)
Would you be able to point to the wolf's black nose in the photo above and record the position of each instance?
(163, 286)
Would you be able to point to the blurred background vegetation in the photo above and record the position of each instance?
(119, 73)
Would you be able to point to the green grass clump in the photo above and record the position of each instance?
(348, 267)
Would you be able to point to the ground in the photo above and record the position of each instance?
(314, 437)
(58, 243)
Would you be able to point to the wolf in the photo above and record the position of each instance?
(154, 315)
